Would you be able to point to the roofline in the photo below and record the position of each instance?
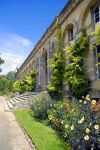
(48, 29)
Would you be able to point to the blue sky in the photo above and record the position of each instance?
(22, 23)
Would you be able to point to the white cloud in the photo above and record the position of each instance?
(13, 49)
(13, 43)
(11, 62)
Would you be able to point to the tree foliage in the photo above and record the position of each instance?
(1, 62)
(97, 34)
(10, 75)
(28, 83)
(6, 86)
(57, 64)
(76, 78)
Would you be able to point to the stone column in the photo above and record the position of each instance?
(48, 56)
(39, 69)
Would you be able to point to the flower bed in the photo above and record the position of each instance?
(81, 125)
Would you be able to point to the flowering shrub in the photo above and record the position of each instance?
(58, 115)
(81, 125)
(40, 107)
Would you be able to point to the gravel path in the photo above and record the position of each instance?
(11, 135)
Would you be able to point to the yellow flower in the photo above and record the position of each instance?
(93, 102)
(85, 102)
(96, 126)
(81, 121)
(72, 127)
(66, 126)
(82, 96)
(86, 137)
(87, 130)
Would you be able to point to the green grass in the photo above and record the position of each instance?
(42, 136)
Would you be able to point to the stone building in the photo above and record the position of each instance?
(76, 15)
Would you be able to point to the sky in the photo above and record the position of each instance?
(22, 23)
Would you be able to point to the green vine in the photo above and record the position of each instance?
(76, 78)
(57, 64)
(97, 34)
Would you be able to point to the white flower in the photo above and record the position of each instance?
(86, 137)
(81, 121)
(72, 127)
(62, 122)
(80, 101)
(66, 126)
(88, 97)
(87, 130)
(85, 102)
(96, 126)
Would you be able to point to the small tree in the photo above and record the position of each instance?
(10, 75)
(30, 81)
(57, 66)
(1, 62)
(19, 86)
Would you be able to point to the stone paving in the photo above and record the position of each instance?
(11, 135)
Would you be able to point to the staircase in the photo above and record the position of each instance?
(20, 101)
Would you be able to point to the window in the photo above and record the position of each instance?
(98, 61)
(70, 34)
(97, 14)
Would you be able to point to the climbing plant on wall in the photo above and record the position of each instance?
(74, 74)
(97, 34)
(57, 64)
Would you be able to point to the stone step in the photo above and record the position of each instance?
(25, 97)
(9, 104)
(6, 108)
(28, 94)
(15, 100)
(12, 101)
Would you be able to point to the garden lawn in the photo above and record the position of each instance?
(42, 136)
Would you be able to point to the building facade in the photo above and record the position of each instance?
(75, 16)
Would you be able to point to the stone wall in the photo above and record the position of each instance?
(78, 14)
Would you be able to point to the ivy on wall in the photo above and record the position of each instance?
(74, 74)
(97, 34)
(57, 64)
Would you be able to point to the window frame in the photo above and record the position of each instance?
(95, 15)
(97, 62)
(70, 34)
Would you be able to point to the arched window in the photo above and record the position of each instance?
(97, 15)
(70, 34)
